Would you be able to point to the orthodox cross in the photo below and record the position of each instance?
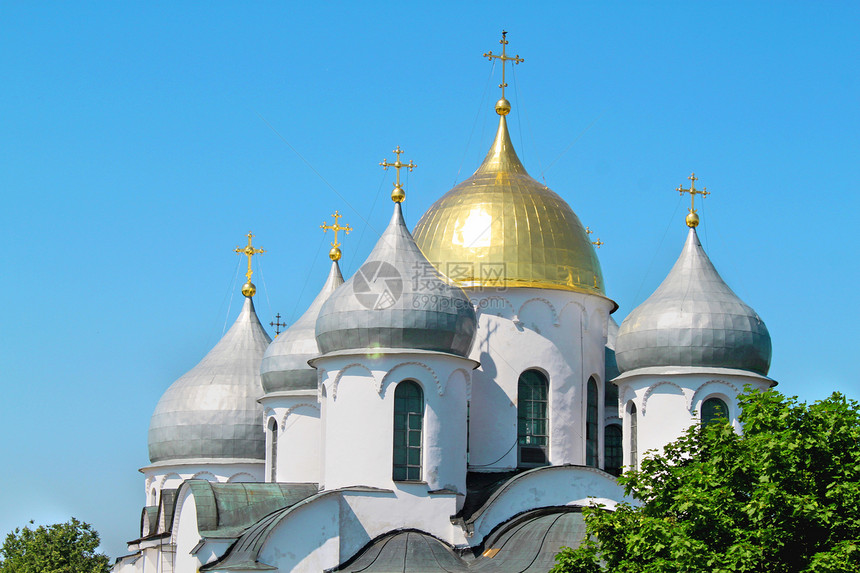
(249, 251)
(336, 227)
(693, 191)
(398, 195)
(596, 243)
(334, 254)
(504, 58)
(277, 324)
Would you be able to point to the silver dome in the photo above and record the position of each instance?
(285, 363)
(397, 299)
(693, 319)
(212, 411)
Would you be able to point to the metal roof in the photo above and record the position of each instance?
(397, 299)
(285, 363)
(212, 411)
(693, 319)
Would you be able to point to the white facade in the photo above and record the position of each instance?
(665, 403)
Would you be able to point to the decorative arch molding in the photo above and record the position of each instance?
(234, 478)
(653, 387)
(291, 409)
(547, 303)
(582, 308)
(466, 378)
(202, 474)
(486, 303)
(626, 394)
(147, 485)
(268, 412)
(705, 390)
(166, 477)
(343, 371)
(612, 420)
(321, 372)
(440, 389)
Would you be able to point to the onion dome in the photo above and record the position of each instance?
(285, 363)
(693, 319)
(211, 413)
(397, 299)
(501, 228)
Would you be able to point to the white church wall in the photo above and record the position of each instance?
(546, 487)
(170, 476)
(669, 402)
(297, 417)
(307, 539)
(559, 333)
(359, 417)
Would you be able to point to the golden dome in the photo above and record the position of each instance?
(501, 228)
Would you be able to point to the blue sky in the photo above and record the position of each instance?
(140, 142)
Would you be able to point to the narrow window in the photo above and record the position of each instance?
(591, 424)
(532, 423)
(408, 426)
(634, 452)
(612, 453)
(610, 399)
(273, 455)
(714, 410)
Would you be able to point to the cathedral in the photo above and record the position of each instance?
(452, 406)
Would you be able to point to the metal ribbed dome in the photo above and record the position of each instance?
(212, 411)
(500, 227)
(397, 299)
(693, 319)
(285, 363)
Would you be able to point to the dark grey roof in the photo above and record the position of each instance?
(693, 319)
(225, 510)
(285, 363)
(525, 544)
(397, 299)
(212, 411)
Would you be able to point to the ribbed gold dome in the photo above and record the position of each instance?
(500, 228)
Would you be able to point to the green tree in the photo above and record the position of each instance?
(782, 497)
(61, 548)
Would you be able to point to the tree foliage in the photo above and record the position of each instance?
(782, 497)
(61, 548)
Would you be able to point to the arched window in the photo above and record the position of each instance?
(273, 450)
(613, 457)
(634, 450)
(714, 410)
(408, 426)
(532, 424)
(591, 411)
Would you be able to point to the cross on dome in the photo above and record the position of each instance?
(248, 289)
(277, 324)
(692, 218)
(335, 253)
(503, 106)
(398, 195)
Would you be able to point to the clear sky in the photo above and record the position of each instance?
(141, 141)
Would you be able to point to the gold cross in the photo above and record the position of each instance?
(504, 58)
(596, 243)
(693, 191)
(334, 254)
(277, 324)
(249, 251)
(398, 195)
(692, 217)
